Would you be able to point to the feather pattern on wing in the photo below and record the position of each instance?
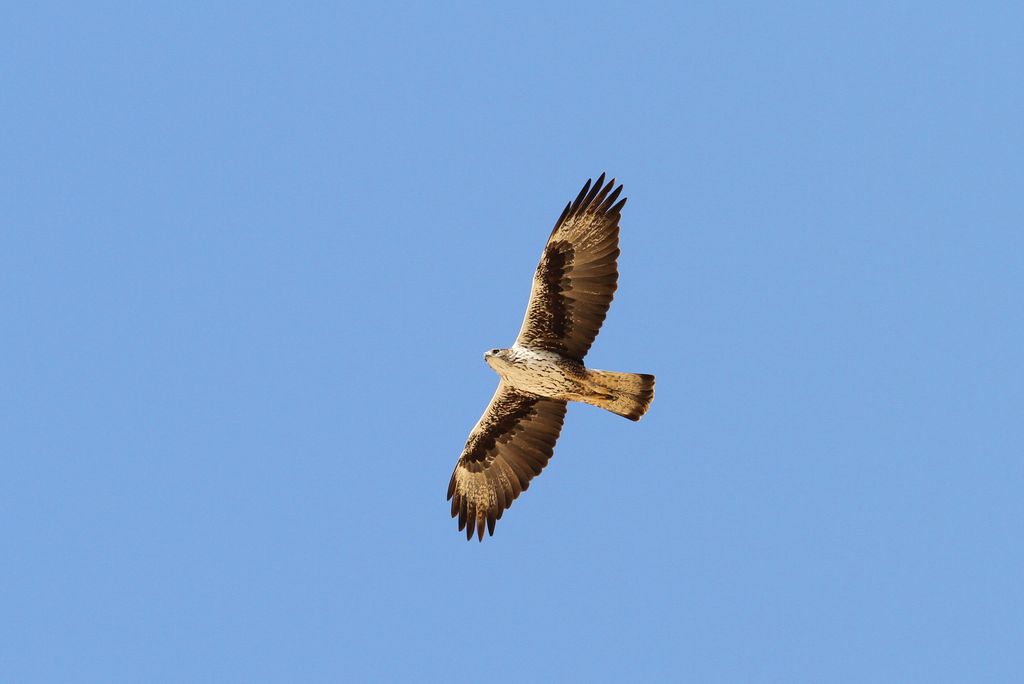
(510, 445)
(577, 275)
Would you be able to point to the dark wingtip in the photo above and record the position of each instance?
(610, 199)
(594, 191)
(561, 219)
(579, 198)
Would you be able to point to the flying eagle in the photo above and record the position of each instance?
(572, 288)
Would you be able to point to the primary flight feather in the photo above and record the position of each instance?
(543, 370)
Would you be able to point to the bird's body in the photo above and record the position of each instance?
(538, 371)
(548, 374)
(572, 288)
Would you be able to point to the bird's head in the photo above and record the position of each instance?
(495, 358)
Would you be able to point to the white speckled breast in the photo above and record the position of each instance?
(541, 372)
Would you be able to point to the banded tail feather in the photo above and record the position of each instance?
(626, 394)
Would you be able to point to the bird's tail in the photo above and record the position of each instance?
(627, 394)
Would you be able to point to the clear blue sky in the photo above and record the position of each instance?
(251, 257)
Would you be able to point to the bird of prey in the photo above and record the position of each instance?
(572, 288)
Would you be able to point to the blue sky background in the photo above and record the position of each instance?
(251, 256)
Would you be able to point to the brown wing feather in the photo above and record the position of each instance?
(509, 446)
(577, 275)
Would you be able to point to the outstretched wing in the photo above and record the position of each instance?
(577, 275)
(509, 446)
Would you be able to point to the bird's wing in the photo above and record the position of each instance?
(510, 445)
(577, 275)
